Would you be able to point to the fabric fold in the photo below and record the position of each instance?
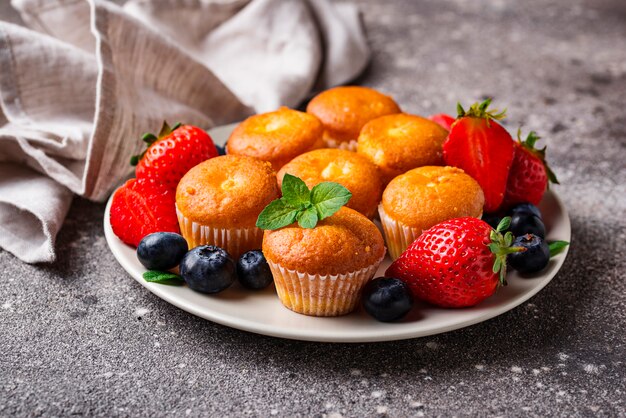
(88, 77)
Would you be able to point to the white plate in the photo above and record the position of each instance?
(262, 313)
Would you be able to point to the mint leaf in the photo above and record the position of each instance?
(556, 247)
(295, 192)
(276, 215)
(301, 204)
(307, 218)
(162, 277)
(328, 197)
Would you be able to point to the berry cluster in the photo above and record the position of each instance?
(205, 269)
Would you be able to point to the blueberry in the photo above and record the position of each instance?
(527, 208)
(523, 223)
(493, 219)
(534, 258)
(221, 150)
(161, 250)
(387, 299)
(208, 269)
(253, 270)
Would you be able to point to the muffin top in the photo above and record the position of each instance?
(344, 242)
(227, 192)
(425, 196)
(353, 171)
(344, 110)
(398, 143)
(276, 136)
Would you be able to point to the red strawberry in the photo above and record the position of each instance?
(174, 152)
(141, 207)
(483, 149)
(529, 175)
(456, 263)
(444, 120)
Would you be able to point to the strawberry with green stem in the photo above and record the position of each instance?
(480, 146)
(172, 153)
(456, 263)
(530, 174)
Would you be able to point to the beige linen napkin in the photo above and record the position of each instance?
(79, 87)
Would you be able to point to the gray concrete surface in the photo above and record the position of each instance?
(80, 337)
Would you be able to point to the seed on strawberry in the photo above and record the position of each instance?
(456, 263)
(141, 207)
(172, 153)
(483, 149)
(530, 173)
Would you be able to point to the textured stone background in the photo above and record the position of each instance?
(82, 337)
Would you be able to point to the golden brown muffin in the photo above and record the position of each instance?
(218, 202)
(423, 197)
(345, 110)
(353, 171)
(398, 143)
(277, 136)
(321, 271)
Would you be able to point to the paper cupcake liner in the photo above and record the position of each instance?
(320, 295)
(345, 145)
(234, 240)
(398, 236)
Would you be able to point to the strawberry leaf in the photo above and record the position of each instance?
(504, 224)
(481, 110)
(459, 110)
(148, 138)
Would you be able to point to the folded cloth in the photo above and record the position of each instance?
(80, 86)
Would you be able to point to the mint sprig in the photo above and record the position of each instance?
(300, 204)
(163, 277)
(556, 247)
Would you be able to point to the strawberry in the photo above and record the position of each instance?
(141, 207)
(174, 152)
(444, 120)
(456, 263)
(529, 175)
(483, 149)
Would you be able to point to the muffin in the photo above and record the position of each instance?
(423, 197)
(344, 110)
(321, 271)
(398, 143)
(277, 136)
(349, 169)
(218, 202)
